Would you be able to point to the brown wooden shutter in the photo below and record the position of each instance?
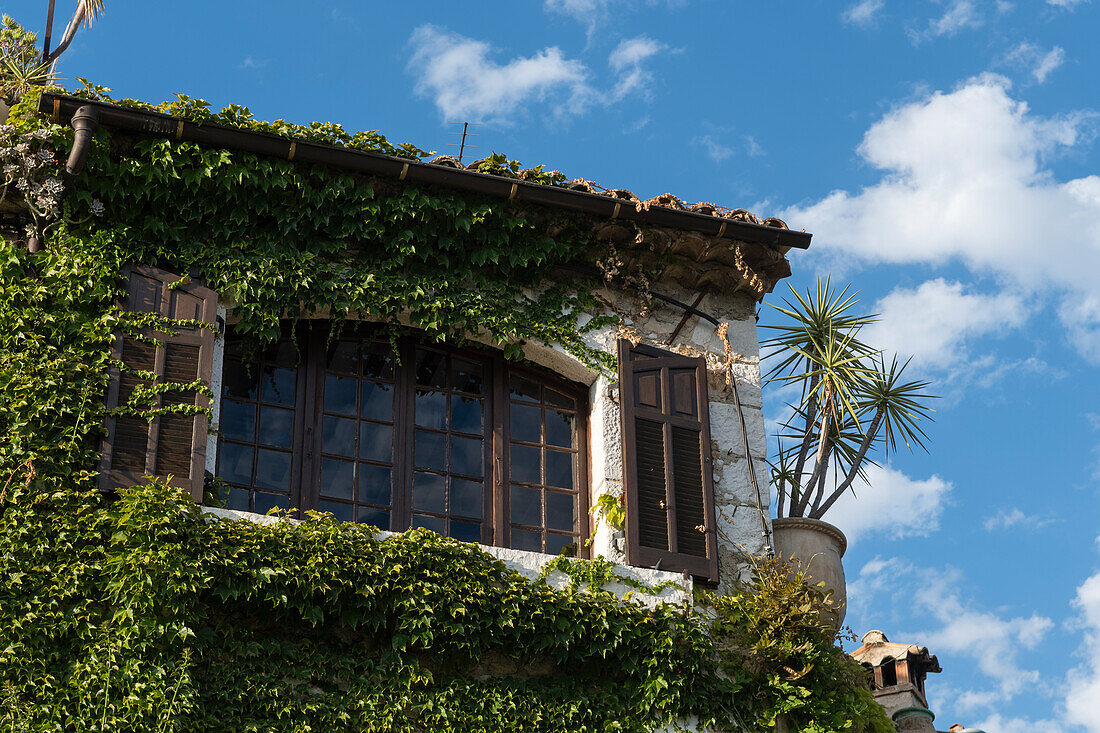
(170, 444)
(670, 519)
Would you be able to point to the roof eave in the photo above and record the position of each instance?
(61, 107)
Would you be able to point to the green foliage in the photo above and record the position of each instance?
(21, 67)
(776, 638)
(142, 615)
(611, 510)
(851, 401)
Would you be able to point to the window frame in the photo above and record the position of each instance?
(313, 340)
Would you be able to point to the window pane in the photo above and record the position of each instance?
(267, 502)
(525, 464)
(559, 428)
(238, 499)
(379, 518)
(374, 485)
(524, 423)
(466, 531)
(338, 436)
(273, 470)
(524, 539)
(559, 469)
(345, 358)
(235, 463)
(238, 420)
(337, 478)
(239, 382)
(435, 524)
(523, 389)
(378, 361)
(525, 506)
(342, 512)
(465, 414)
(466, 456)
(559, 511)
(430, 450)
(278, 385)
(340, 394)
(557, 399)
(466, 376)
(375, 442)
(431, 409)
(466, 497)
(283, 354)
(429, 491)
(377, 401)
(555, 543)
(276, 427)
(431, 368)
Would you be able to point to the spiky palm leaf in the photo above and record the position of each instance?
(851, 401)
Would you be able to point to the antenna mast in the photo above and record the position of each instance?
(462, 145)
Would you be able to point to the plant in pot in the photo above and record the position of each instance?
(852, 404)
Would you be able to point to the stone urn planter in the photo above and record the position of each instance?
(819, 547)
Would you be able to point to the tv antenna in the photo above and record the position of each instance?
(462, 144)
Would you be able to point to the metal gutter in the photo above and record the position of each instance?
(62, 107)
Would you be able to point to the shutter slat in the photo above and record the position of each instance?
(666, 459)
(688, 490)
(649, 443)
(172, 444)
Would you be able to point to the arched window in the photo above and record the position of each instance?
(405, 434)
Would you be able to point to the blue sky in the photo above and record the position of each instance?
(943, 153)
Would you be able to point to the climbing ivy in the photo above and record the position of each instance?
(143, 614)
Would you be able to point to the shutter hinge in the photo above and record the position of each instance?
(219, 323)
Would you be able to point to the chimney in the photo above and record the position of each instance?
(899, 674)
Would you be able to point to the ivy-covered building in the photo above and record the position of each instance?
(482, 430)
(208, 319)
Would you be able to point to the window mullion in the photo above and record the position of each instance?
(497, 488)
(401, 517)
(308, 421)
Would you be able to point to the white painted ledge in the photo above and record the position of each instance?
(530, 565)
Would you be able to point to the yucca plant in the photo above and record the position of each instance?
(852, 402)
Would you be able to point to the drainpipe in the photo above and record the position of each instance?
(85, 121)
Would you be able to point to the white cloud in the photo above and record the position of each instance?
(1051, 61)
(1000, 723)
(714, 149)
(591, 12)
(964, 180)
(1040, 65)
(862, 13)
(959, 627)
(753, 148)
(1005, 519)
(1066, 3)
(933, 322)
(890, 503)
(717, 150)
(1082, 696)
(458, 74)
(627, 62)
(960, 15)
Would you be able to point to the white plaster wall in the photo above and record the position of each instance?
(216, 402)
